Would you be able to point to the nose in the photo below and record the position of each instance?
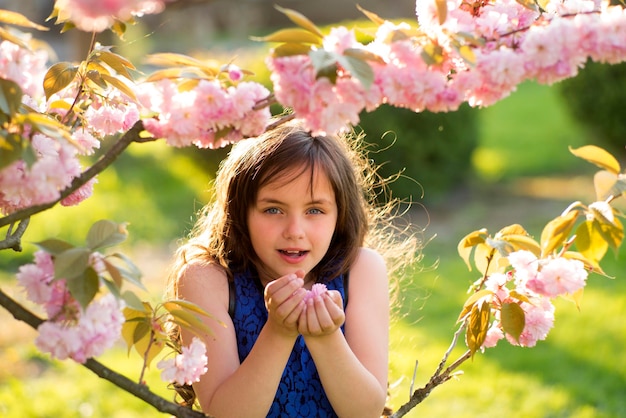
(294, 228)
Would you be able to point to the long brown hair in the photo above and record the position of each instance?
(221, 236)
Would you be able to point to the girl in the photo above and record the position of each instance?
(291, 213)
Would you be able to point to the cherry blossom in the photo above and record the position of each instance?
(186, 367)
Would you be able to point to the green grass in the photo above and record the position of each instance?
(579, 371)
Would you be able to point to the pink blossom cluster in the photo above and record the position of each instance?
(186, 367)
(24, 67)
(318, 289)
(96, 16)
(539, 281)
(54, 169)
(516, 44)
(70, 331)
(209, 116)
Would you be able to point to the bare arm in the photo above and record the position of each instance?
(231, 389)
(353, 369)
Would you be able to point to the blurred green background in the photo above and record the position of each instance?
(491, 167)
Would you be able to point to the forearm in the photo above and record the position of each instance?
(352, 390)
(250, 390)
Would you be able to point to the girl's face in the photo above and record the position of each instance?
(290, 225)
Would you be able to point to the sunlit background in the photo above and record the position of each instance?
(475, 168)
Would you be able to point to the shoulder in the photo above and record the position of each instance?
(369, 262)
(368, 276)
(203, 283)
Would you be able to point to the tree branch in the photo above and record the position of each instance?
(139, 390)
(14, 239)
(132, 135)
(440, 376)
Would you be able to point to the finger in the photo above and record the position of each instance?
(335, 296)
(277, 291)
(286, 309)
(336, 313)
(313, 325)
(324, 318)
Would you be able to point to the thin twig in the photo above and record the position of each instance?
(139, 390)
(132, 135)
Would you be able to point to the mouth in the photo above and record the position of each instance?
(293, 253)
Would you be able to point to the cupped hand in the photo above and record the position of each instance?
(284, 300)
(322, 315)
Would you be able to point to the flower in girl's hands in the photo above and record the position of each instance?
(317, 289)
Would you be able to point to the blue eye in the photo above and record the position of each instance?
(315, 211)
(272, 210)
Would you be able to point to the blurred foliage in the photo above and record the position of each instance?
(431, 151)
(597, 98)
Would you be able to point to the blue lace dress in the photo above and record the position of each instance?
(300, 392)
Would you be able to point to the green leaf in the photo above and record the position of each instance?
(105, 233)
(84, 287)
(188, 320)
(131, 273)
(113, 287)
(132, 300)
(58, 77)
(512, 318)
(359, 68)
(71, 263)
(11, 149)
(184, 304)
(10, 97)
(54, 246)
(290, 49)
(48, 126)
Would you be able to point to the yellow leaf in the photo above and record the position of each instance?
(290, 49)
(576, 297)
(18, 19)
(486, 258)
(58, 77)
(604, 182)
(556, 232)
(523, 242)
(529, 4)
(363, 55)
(597, 156)
(300, 20)
(371, 16)
(467, 53)
(120, 85)
(442, 10)
(291, 35)
(470, 240)
(512, 318)
(477, 326)
(590, 265)
(120, 64)
(472, 300)
(590, 241)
